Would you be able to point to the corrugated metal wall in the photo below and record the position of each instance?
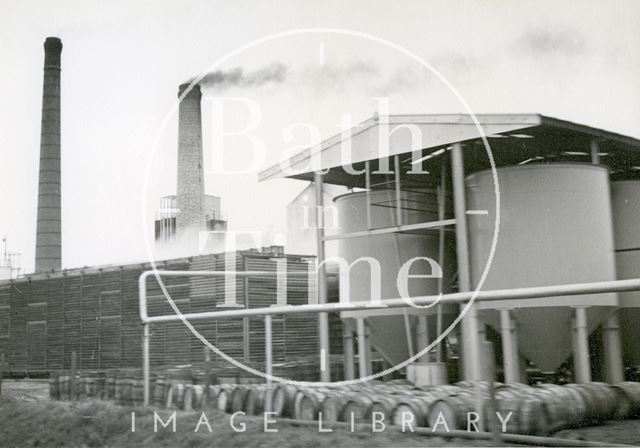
(94, 312)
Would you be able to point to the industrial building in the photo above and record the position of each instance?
(422, 186)
(495, 201)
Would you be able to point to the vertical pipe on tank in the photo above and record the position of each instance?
(347, 349)
(321, 279)
(470, 334)
(509, 348)
(362, 348)
(582, 364)
(614, 370)
(367, 181)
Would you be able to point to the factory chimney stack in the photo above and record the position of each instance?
(48, 238)
(190, 197)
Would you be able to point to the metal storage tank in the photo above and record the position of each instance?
(555, 228)
(387, 326)
(625, 197)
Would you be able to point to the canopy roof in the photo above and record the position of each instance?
(421, 140)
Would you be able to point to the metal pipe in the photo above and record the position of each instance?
(367, 185)
(268, 349)
(145, 363)
(396, 168)
(442, 196)
(394, 229)
(362, 348)
(459, 297)
(323, 318)
(581, 362)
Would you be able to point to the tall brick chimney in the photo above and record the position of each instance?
(48, 237)
(190, 197)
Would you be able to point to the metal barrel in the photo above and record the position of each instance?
(137, 388)
(239, 399)
(160, 391)
(63, 385)
(453, 409)
(306, 404)
(223, 400)
(54, 386)
(193, 397)
(282, 400)
(628, 393)
(559, 414)
(356, 405)
(599, 398)
(110, 386)
(175, 396)
(384, 404)
(409, 409)
(81, 385)
(101, 384)
(332, 408)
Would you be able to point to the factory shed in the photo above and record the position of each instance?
(539, 138)
(422, 186)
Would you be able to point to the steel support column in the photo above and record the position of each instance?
(472, 347)
(145, 363)
(362, 348)
(613, 364)
(423, 337)
(323, 318)
(509, 348)
(581, 361)
(347, 349)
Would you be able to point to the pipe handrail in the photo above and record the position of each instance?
(459, 297)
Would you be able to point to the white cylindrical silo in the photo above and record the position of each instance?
(555, 228)
(625, 197)
(391, 252)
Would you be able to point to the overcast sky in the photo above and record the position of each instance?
(122, 62)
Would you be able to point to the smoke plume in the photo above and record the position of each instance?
(237, 77)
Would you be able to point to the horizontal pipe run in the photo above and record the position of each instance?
(459, 297)
(394, 229)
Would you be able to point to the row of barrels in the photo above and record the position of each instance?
(538, 410)
(122, 386)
